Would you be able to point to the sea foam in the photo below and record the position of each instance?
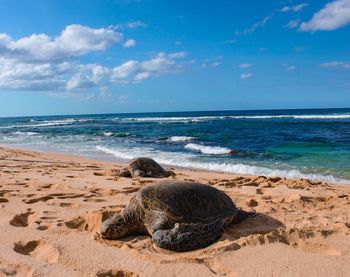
(209, 150)
(191, 161)
(210, 118)
(180, 138)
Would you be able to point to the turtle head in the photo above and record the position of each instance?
(115, 227)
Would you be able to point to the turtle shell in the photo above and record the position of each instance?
(149, 166)
(188, 201)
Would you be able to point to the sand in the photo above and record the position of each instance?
(52, 206)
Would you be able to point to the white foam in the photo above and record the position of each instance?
(207, 118)
(18, 133)
(180, 138)
(46, 123)
(108, 134)
(209, 150)
(191, 161)
(174, 119)
(311, 116)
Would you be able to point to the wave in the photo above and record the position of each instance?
(209, 150)
(117, 134)
(174, 119)
(180, 138)
(25, 133)
(108, 134)
(46, 123)
(187, 160)
(208, 118)
(311, 116)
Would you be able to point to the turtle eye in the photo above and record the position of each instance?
(149, 173)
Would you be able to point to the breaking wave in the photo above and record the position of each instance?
(181, 138)
(208, 150)
(189, 161)
(208, 118)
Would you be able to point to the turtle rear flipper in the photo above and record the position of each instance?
(188, 236)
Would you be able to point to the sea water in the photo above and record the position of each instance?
(312, 144)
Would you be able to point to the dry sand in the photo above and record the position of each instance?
(52, 206)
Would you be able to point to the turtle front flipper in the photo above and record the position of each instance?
(188, 236)
(135, 169)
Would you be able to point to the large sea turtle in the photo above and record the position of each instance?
(179, 215)
(143, 167)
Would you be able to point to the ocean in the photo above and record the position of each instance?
(312, 144)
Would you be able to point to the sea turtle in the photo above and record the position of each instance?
(143, 167)
(179, 215)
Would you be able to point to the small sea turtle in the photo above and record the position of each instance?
(143, 167)
(179, 215)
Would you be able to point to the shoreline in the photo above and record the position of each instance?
(120, 161)
(52, 206)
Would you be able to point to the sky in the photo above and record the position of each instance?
(116, 56)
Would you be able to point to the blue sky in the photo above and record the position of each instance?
(73, 57)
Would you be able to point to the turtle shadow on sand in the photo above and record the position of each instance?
(261, 224)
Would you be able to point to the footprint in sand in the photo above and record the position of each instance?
(90, 221)
(3, 200)
(116, 273)
(23, 219)
(32, 201)
(38, 249)
(16, 270)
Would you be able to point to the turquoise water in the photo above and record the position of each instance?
(289, 143)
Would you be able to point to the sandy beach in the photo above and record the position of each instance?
(52, 206)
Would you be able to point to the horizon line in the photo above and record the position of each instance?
(124, 113)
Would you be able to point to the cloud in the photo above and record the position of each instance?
(75, 40)
(290, 67)
(293, 23)
(131, 25)
(129, 43)
(336, 64)
(334, 15)
(135, 24)
(50, 64)
(245, 65)
(255, 26)
(212, 62)
(246, 75)
(296, 8)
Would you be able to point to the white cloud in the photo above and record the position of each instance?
(142, 76)
(295, 8)
(293, 23)
(177, 55)
(336, 64)
(252, 29)
(129, 43)
(245, 65)
(135, 24)
(211, 64)
(246, 75)
(75, 40)
(334, 15)
(42, 63)
(290, 67)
